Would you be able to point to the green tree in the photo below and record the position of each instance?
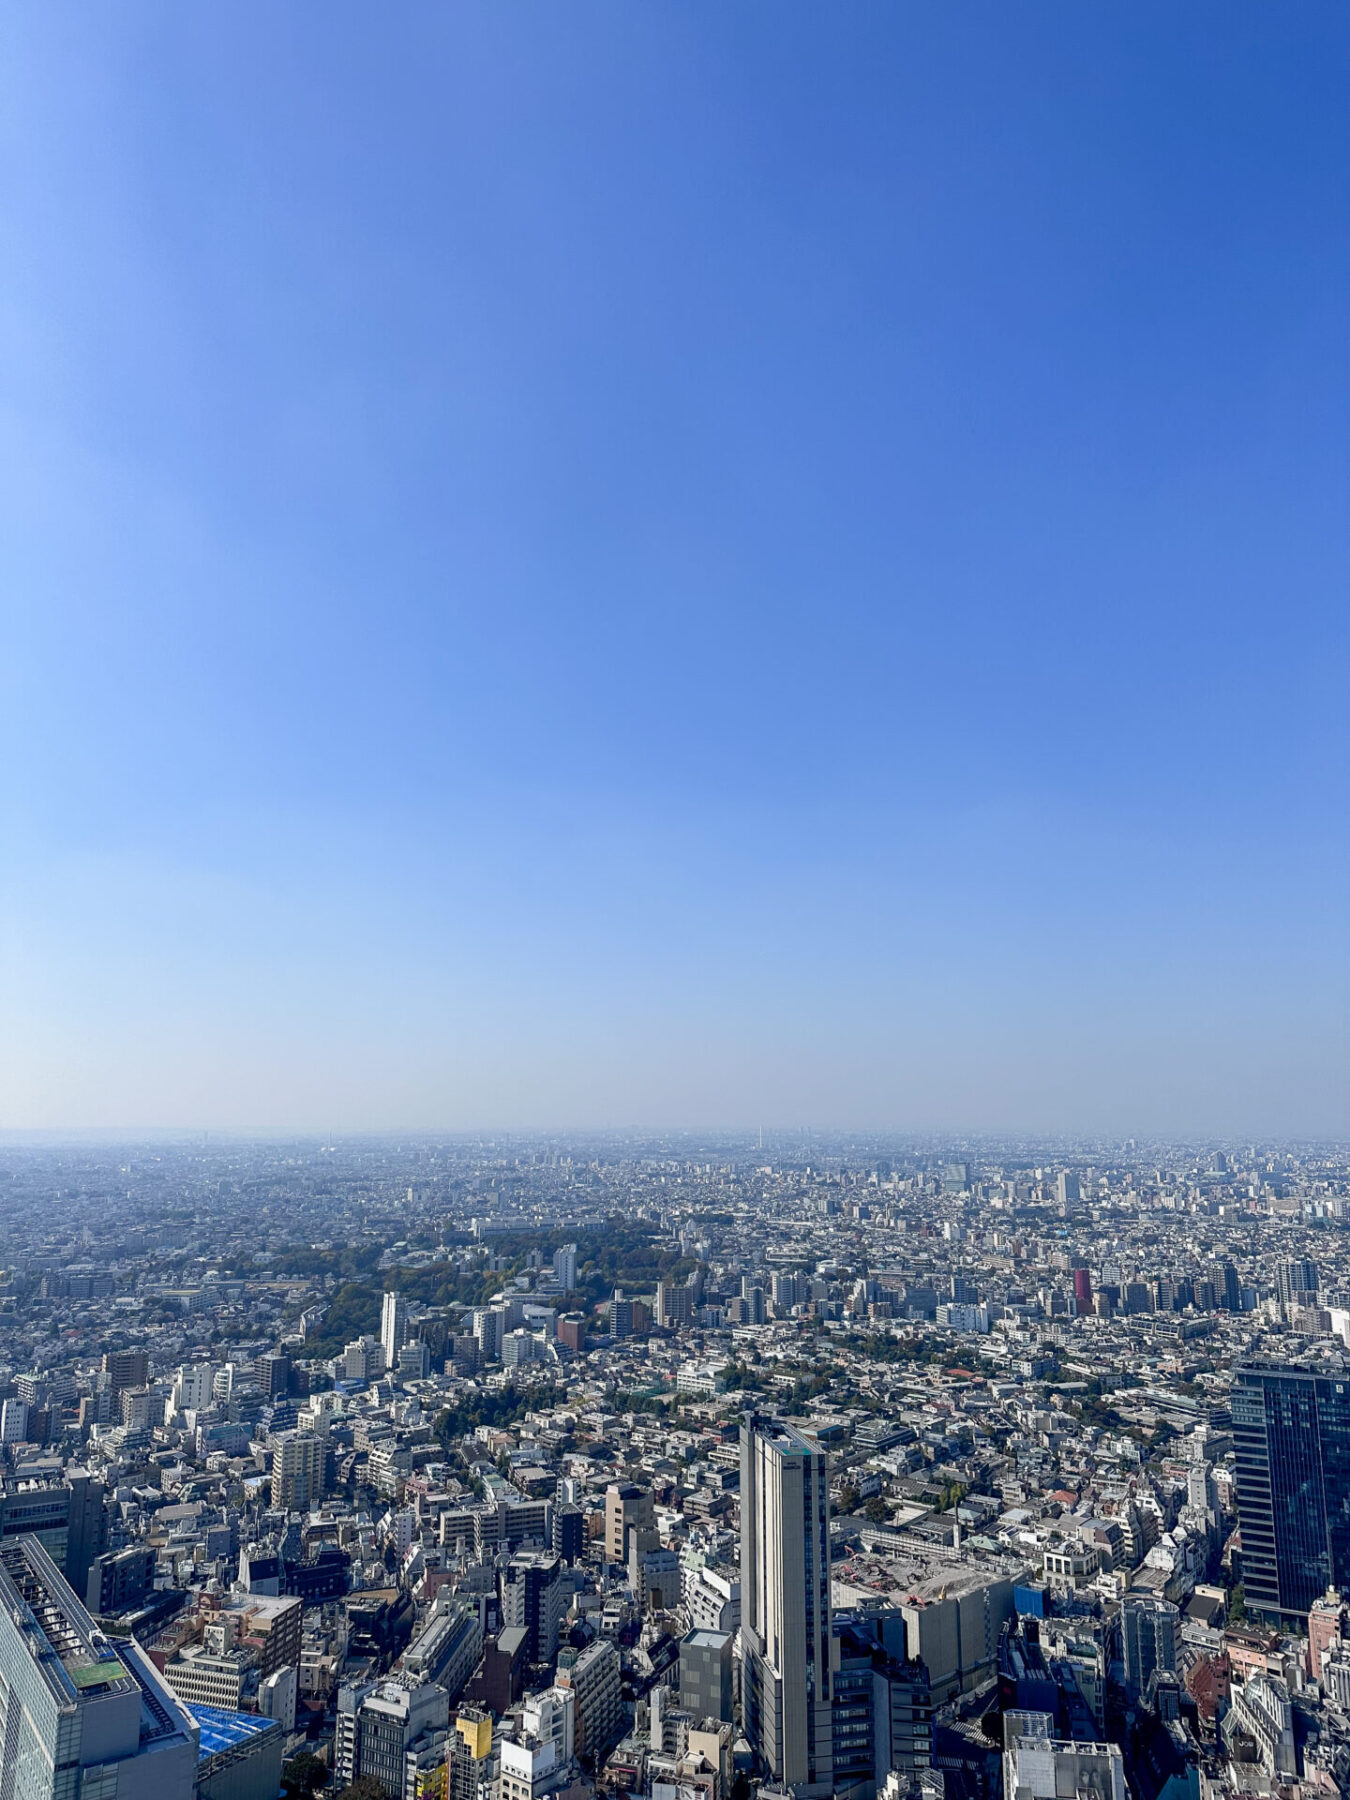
(303, 1775)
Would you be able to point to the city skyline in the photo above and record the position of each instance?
(530, 1468)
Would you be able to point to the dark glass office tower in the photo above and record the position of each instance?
(1291, 1431)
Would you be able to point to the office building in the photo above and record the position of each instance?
(193, 1387)
(535, 1599)
(499, 1680)
(654, 1574)
(1150, 1632)
(448, 1647)
(789, 1649)
(65, 1512)
(1262, 1713)
(1291, 1433)
(1068, 1191)
(273, 1624)
(213, 1674)
(569, 1533)
(628, 1508)
(393, 1328)
(469, 1760)
(14, 1421)
(241, 1754)
(1328, 1626)
(533, 1765)
(82, 1715)
(952, 1624)
(572, 1332)
(1039, 1766)
(705, 1674)
(882, 1717)
(379, 1723)
(119, 1581)
(278, 1696)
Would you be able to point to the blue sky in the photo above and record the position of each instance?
(660, 564)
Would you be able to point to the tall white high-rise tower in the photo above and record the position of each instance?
(393, 1328)
(790, 1654)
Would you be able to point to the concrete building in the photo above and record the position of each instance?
(120, 1581)
(627, 1508)
(393, 1328)
(706, 1690)
(595, 1677)
(533, 1598)
(64, 1510)
(448, 1647)
(126, 1368)
(76, 1701)
(790, 1652)
(1262, 1712)
(379, 1723)
(299, 1462)
(1150, 1631)
(241, 1755)
(953, 1624)
(538, 1760)
(1039, 1766)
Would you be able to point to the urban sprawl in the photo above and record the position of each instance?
(690, 1468)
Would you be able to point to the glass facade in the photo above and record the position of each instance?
(1291, 1432)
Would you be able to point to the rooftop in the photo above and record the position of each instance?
(223, 1731)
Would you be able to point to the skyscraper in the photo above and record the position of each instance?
(1291, 1431)
(74, 1701)
(790, 1652)
(393, 1328)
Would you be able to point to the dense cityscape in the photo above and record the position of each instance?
(677, 1467)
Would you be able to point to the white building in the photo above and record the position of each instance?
(790, 1652)
(1037, 1766)
(393, 1328)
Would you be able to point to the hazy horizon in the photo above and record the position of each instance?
(637, 564)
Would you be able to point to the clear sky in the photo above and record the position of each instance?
(642, 563)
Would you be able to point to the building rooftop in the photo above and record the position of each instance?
(69, 1649)
(223, 1731)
